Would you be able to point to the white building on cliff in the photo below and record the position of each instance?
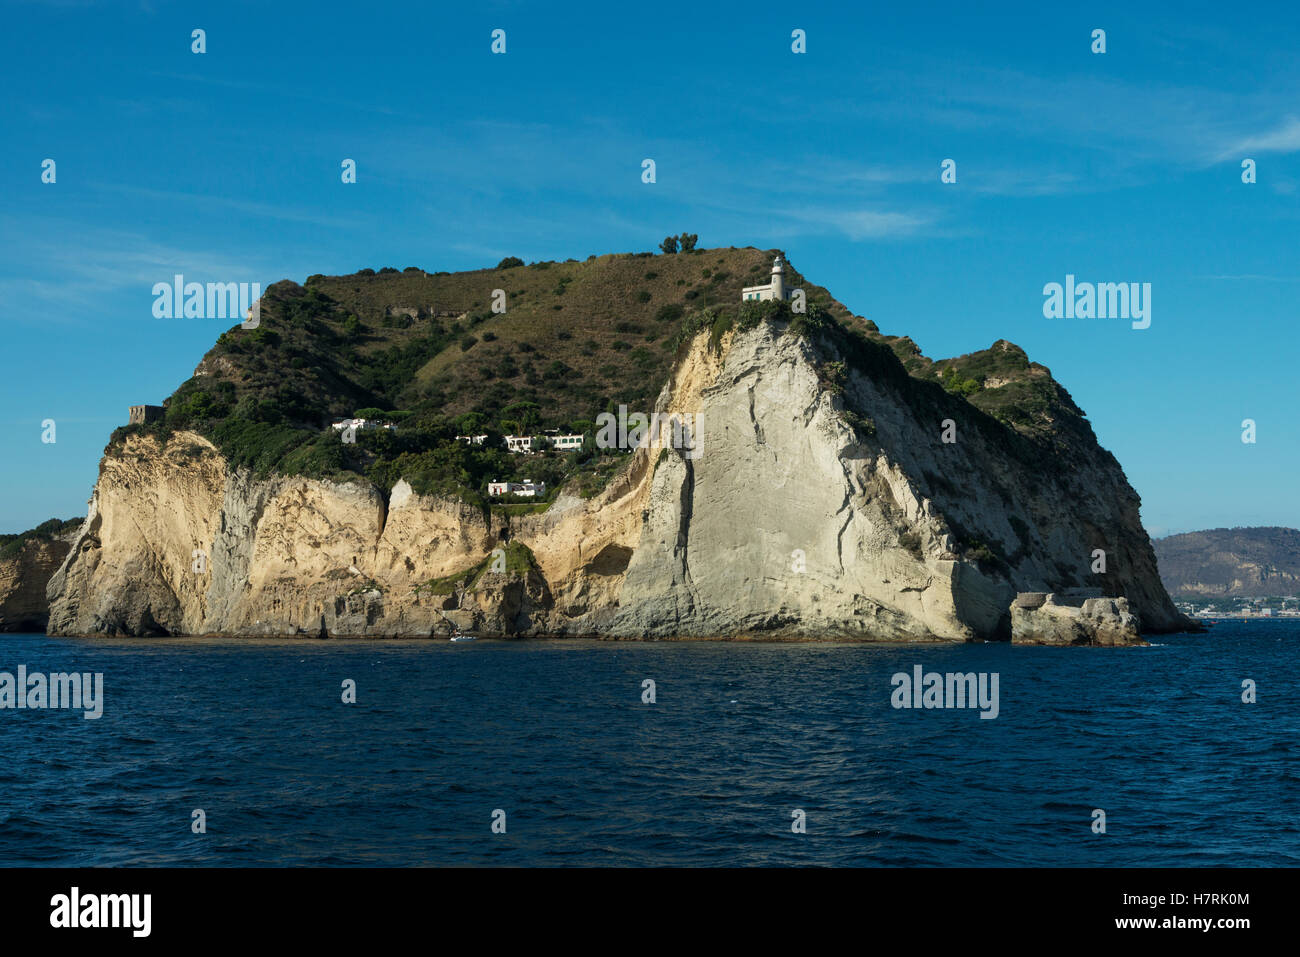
(362, 425)
(521, 443)
(773, 290)
(527, 488)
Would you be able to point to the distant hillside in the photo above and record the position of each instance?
(1231, 562)
(578, 338)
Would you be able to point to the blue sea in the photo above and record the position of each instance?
(741, 735)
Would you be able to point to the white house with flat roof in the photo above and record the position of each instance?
(527, 444)
(521, 443)
(773, 290)
(527, 488)
(365, 425)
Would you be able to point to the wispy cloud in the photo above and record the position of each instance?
(1284, 139)
(1131, 124)
(67, 274)
(1023, 182)
(855, 224)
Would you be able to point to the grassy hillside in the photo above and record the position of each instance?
(577, 338)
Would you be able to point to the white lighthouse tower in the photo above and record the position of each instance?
(773, 290)
(778, 278)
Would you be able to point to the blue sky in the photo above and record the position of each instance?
(1123, 166)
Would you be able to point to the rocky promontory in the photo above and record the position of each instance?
(835, 485)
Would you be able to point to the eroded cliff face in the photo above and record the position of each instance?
(23, 605)
(790, 521)
(784, 521)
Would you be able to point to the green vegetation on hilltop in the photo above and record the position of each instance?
(429, 353)
(1000, 381)
(12, 544)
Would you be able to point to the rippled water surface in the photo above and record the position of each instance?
(556, 735)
